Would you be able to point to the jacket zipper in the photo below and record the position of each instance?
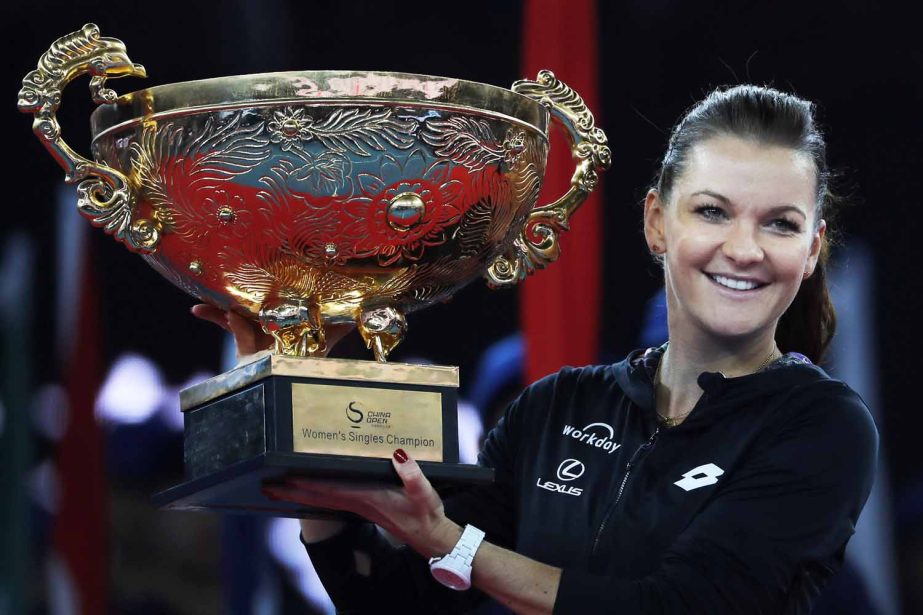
(628, 466)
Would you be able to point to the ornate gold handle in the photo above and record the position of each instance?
(107, 199)
(537, 244)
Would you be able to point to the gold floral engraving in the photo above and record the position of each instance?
(157, 145)
(174, 172)
(346, 130)
(468, 141)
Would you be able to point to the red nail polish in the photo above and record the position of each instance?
(400, 455)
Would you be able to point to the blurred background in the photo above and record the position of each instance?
(95, 344)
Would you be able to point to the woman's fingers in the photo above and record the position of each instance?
(412, 513)
(211, 314)
(417, 486)
(249, 338)
(356, 496)
(340, 487)
(360, 498)
(248, 335)
(302, 497)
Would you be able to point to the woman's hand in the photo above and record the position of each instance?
(248, 335)
(249, 339)
(412, 513)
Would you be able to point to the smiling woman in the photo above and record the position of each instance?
(751, 155)
(739, 235)
(720, 473)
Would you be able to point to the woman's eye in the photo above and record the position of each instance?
(710, 212)
(785, 225)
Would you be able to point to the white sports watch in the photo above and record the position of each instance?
(454, 569)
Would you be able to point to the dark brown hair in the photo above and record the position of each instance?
(771, 117)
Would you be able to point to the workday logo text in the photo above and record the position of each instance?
(597, 435)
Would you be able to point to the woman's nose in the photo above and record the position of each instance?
(741, 245)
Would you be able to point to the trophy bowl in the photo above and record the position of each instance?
(303, 199)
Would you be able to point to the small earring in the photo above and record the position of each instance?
(657, 249)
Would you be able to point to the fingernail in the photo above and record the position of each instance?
(400, 455)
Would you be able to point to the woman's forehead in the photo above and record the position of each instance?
(748, 171)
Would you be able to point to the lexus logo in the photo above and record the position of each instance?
(570, 469)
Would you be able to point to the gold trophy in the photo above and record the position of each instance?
(303, 199)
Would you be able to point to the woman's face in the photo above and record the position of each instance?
(739, 235)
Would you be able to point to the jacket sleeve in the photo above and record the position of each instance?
(771, 536)
(399, 578)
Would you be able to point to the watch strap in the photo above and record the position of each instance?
(454, 569)
(468, 544)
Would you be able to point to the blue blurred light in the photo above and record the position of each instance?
(132, 392)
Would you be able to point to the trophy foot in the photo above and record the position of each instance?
(382, 329)
(297, 328)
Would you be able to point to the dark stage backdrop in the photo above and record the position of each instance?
(861, 61)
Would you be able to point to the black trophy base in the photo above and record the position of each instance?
(254, 424)
(236, 488)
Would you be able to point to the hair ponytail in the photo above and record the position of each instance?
(808, 325)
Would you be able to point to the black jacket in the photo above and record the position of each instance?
(746, 507)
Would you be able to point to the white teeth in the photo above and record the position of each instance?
(735, 284)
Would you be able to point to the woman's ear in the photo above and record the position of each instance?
(654, 223)
(817, 244)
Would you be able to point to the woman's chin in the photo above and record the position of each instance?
(730, 331)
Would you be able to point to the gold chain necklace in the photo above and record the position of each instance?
(668, 421)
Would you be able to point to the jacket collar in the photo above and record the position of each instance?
(721, 395)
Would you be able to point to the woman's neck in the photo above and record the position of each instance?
(677, 388)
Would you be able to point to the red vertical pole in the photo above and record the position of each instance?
(81, 537)
(560, 306)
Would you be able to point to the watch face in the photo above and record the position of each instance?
(451, 579)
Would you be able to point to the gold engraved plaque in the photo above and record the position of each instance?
(366, 421)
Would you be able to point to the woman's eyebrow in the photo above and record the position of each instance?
(713, 194)
(787, 207)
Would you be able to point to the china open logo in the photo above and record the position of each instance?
(354, 414)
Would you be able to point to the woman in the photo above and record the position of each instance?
(720, 473)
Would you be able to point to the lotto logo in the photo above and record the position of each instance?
(701, 476)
